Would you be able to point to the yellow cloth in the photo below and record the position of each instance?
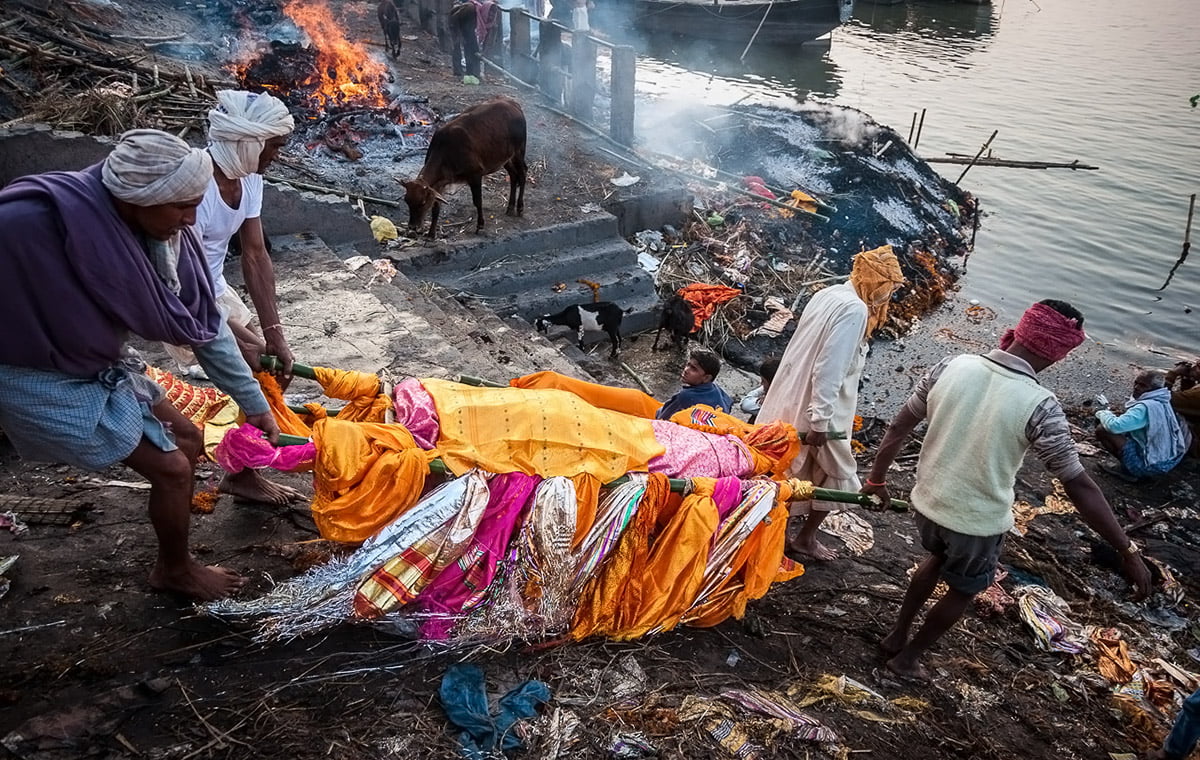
(547, 433)
(875, 276)
(624, 400)
(365, 475)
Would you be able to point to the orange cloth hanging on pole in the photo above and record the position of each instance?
(587, 500)
(611, 599)
(288, 421)
(674, 570)
(360, 389)
(365, 475)
(705, 299)
(758, 563)
(624, 400)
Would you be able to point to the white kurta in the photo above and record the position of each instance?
(816, 387)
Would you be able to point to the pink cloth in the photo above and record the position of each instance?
(461, 586)
(245, 447)
(487, 17)
(727, 494)
(416, 412)
(695, 454)
(1045, 332)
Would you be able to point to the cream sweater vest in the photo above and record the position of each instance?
(978, 412)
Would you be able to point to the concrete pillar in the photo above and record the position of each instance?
(624, 75)
(583, 75)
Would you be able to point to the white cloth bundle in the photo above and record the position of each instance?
(152, 168)
(240, 126)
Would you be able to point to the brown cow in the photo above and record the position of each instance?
(389, 19)
(467, 148)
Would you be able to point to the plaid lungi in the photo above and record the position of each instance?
(88, 422)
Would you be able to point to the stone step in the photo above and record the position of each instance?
(527, 351)
(340, 321)
(466, 338)
(427, 262)
(547, 267)
(632, 290)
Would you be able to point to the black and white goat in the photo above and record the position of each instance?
(602, 316)
(678, 319)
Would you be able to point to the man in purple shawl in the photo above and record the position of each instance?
(86, 258)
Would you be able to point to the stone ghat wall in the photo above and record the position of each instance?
(31, 149)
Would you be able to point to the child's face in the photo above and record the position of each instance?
(693, 374)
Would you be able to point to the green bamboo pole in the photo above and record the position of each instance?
(438, 467)
(271, 363)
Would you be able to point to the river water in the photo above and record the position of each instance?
(1106, 82)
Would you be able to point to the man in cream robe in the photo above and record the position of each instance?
(816, 387)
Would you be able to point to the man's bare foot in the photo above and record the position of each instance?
(811, 548)
(248, 485)
(893, 643)
(201, 582)
(908, 669)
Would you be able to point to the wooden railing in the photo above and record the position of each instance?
(563, 67)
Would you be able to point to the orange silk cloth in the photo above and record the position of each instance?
(705, 299)
(360, 389)
(657, 568)
(624, 400)
(537, 432)
(758, 563)
(365, 475)
(772, 446)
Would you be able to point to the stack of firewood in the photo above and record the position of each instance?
(64, 71)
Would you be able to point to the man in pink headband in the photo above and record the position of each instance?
(984, 413)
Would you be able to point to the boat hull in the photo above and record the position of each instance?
(787, 22)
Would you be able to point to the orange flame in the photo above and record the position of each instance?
(347, 72)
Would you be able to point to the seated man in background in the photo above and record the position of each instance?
(698, 378)
(1186, 397)
(1150, 438)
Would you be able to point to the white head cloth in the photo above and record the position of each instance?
(151, 168)
(240, 126)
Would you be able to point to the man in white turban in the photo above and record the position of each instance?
(246, 130)
(88, 258)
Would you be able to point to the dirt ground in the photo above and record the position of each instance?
(93, 664)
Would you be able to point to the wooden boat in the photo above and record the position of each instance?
(769, 22)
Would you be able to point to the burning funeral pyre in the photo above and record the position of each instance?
(341, 96)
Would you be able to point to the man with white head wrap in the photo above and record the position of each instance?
(246, 130)
(88, 258)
